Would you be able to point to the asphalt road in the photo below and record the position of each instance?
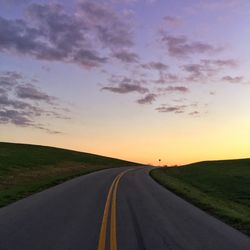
(112, 209)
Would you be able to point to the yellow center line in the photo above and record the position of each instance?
(110, 198)
(102, 237)
(113, 240)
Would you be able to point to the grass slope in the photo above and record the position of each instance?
(221, 188)
(26, 169)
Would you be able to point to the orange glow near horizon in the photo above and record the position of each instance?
(195, 143)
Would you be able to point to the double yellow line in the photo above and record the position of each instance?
(111, 200)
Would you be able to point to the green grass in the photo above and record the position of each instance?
(222, 188)
(26, 169)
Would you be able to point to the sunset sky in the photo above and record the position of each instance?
(132, 79)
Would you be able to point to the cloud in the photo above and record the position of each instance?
(148, 99)
(29, 91)
(111, 29)
(230, 79)
(5, 101)
(181, 89)
(22, 104)
(172, 21)
(194, 113)
(198, 71)
(14, 2)
(2, 91)
(180, 100)
(14, 117)
(22, 118)
(206, 69)
(126, 56)
(167, 78)
(221, 63)
(54, 36)
(188, 108)
(177, 109)
(48, 33)
(181, 46)
(8, 79)
(124, 88)
(123, 85)
(89, 58)
(218, 5)
(155, 65)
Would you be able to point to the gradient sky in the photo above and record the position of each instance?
(133, 79)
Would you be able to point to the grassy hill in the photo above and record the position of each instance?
(26, 169)
(221, 188)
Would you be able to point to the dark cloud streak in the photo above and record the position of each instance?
(124, 88)
(177, 109)
(181, 89)
(148, 99)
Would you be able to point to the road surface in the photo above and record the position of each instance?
(120, 208)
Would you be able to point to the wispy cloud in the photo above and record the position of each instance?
(183, 107)
(181, 46)
(177, 109)
(172, 21)
(22, 103)
(124, 88)
(194, 113)
(29, 91)
(166, 78)
(206, 69)
(180, 89)
(231, 79)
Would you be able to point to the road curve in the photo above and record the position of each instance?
(120, 208)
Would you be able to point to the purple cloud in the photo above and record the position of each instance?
(181, 46)
(230, 79)
(20, 103)
(177, 109)
(29, 91)
(126, 56)
(190, 109)
(167, 78)
(15, 117)
(155, 65)
(148, 99)
(172, 21)
(48, 33)
(124, 88)
(111, 29)
(206, 69)
(231, 63)
(89, 58)
(8, 79)
(181, 89)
